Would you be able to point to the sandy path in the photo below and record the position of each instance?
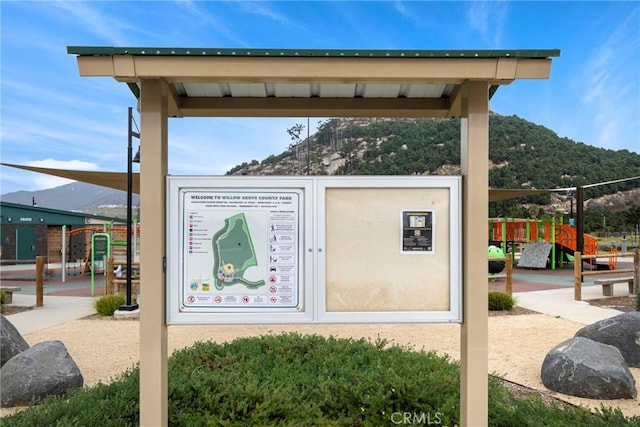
(517, 345)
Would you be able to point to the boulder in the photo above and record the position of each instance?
(622, 332)
(585, 368)
(42, 370)
(11, 342)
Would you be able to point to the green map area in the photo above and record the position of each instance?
(233, 254)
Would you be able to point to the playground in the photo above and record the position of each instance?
(541, 254)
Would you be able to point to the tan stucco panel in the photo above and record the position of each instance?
(364, 257)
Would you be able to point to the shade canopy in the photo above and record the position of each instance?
(215, 82)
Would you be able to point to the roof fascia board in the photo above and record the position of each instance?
(313, 107)
(533, 69)
(319, 70)
(96, 66)
(506, 68)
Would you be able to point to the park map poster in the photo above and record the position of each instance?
(241, 249)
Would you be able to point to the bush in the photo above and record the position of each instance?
(108, 304)
(2, 297)
(501, 301)
(296, 380)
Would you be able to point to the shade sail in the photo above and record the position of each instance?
(118, 181)
(115, 180)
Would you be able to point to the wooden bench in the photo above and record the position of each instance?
(8, 293)
(607, 284)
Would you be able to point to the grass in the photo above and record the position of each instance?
(605, 243)
(106, 305)
(295, 380)
(501, 301)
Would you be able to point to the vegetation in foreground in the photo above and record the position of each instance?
(106, 305)
(291, 379)
(501, 301)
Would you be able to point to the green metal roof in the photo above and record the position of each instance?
(14, 213)
(334, 53)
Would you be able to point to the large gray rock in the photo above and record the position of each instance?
(585, 368)
(11, 342)
(622, 332)
(42, 370)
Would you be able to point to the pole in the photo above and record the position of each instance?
(40, 260)
(64, 254)
(580, 220)
(308, 154)
(129, 306)
(577, 276)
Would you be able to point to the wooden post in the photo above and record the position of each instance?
(109, 290)
(474, 331)
(509, 263)
(40, 260)
(577, 276)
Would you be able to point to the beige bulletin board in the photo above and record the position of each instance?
(368, 274)
(313, 250)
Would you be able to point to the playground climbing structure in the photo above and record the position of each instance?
(77, 247)
(509, 232)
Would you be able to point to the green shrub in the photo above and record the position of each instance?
(501, 301)
(295, 380)
(106, 305)
(2, 298)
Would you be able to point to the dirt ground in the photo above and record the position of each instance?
(518, 343)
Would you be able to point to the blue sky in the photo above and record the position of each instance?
(52, 117)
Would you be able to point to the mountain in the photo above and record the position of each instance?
(76, 196)
(522, 154)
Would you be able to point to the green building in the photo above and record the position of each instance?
(30, 231)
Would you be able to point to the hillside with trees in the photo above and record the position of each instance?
(521, 154)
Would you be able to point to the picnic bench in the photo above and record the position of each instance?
(8, 293)
(607, 284)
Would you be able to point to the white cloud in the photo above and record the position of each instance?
(401, 9)
(604, 80)
(94, 21)
(200, 17)
(487, 18)
(64, 164)
(42, 181)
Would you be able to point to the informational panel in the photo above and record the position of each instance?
(240, 250)
(313, 249)
(417, 232)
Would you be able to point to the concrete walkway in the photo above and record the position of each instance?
(56, 310)
(561, 303)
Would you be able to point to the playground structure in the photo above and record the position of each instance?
(508, 233)
(85, 253)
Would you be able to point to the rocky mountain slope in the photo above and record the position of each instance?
(522, 155)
